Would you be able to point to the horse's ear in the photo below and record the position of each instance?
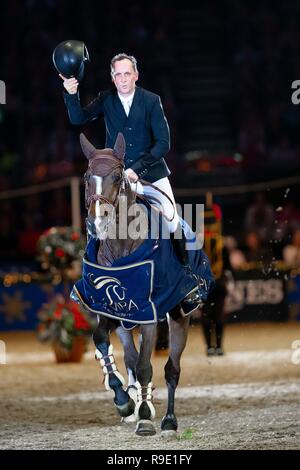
(119, 147)
(87, 148)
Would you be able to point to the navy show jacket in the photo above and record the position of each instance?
(145, 130)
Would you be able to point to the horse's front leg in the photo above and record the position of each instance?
(130, 359)
(113, 379)
(144, 409)
(178, 328)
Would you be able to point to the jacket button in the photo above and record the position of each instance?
(130, 145)
(130, 128)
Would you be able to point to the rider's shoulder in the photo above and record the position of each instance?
(148, 94)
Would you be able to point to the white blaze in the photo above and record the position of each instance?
(99, 181)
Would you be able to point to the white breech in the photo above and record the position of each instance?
(164, 203)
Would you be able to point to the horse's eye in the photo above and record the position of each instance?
(117, 178)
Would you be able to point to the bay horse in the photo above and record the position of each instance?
(106, 184)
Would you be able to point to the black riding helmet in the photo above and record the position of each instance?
(69, 58)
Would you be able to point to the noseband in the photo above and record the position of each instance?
(109, 165)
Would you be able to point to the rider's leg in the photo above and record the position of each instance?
(177, 235)
(160, 200)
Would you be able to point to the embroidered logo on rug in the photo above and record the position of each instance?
(114, 291)
(123, 293)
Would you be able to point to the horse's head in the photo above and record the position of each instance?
(105, 181)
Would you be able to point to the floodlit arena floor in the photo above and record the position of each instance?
(247, 399)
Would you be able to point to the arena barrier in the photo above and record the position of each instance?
(257, 296)
(252, 297)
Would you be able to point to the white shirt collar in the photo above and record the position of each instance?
(127, 99)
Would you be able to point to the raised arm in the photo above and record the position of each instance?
(77, 114)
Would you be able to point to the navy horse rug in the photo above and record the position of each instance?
(144, 286)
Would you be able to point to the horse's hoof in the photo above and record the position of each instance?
(169, 423)
(127, 409)
(169, 434)
(145, 427)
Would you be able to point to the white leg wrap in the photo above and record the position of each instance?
(131, 379)
(147, 398)
(109, 360)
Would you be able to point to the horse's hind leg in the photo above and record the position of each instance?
(178, 327)
(144, 409)
(113, 380)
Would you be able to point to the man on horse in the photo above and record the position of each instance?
(141, 283)
(139, 115)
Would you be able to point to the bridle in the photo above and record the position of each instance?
(117, 165)
(124, 182)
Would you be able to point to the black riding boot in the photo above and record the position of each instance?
(183, 257)
(180, 250)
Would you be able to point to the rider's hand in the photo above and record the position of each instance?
(70, 84)
(132, 176)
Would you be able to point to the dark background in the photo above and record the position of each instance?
(223, 69)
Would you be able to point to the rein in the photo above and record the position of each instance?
(147, 198)
(122, 187)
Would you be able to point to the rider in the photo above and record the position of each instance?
(139, 115)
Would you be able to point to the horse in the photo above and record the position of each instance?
(106, 185)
